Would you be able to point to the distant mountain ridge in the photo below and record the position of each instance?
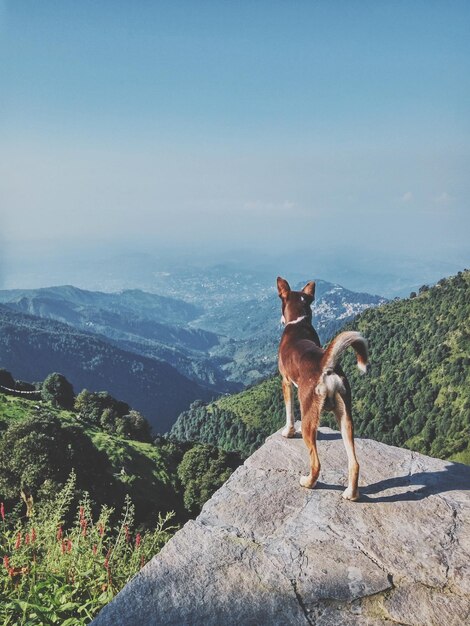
(32, 347)
(136, 321)
(227, 341)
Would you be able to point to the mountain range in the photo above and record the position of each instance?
(223, 340)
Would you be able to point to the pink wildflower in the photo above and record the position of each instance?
(18, 540)
(2, 511)
(138, 540)
(33, 535)
(66, 546)
(106, 560)
(60, 532)
(6, 562)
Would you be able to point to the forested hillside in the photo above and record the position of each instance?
(416, 394)
(238, 422)
(109, 447)
(418, 389)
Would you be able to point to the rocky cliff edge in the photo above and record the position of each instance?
(264, 550)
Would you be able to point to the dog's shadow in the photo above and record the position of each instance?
(455, 477)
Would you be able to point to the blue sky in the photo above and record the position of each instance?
(252, 124)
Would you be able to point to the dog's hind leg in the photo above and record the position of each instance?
(343, 415)
(310, 420)
(289, 430)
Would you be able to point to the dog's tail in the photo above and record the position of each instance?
(339, 345)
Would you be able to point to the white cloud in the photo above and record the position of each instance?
(407, 197)
(444, 199)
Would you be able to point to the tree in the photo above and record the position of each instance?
(108, 420)
(6, 379)
(134, 426)
(57, 390)
(91, 406)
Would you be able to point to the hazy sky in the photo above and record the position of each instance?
(257, 124)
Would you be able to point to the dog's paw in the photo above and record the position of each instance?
(288, 432)
(307, 482)
(349, 494)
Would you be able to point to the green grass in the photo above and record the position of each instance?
(13, 408)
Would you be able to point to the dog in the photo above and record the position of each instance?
(322, 384)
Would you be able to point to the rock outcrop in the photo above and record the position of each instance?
(264, 550)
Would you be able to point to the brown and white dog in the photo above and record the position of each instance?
(321, 382)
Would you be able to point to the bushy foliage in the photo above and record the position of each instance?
(55, 570)
(101, 409)
(56, 574)
(91, 405)
(43, 443)
(57, 390)
(40, 451)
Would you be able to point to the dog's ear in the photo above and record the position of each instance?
(309, 289)
(282, 287)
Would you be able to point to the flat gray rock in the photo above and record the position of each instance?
(264, 550)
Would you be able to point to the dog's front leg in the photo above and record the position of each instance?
(289, 430)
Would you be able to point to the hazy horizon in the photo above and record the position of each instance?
(327, 135)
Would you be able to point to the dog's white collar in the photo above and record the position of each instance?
(299, 319)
